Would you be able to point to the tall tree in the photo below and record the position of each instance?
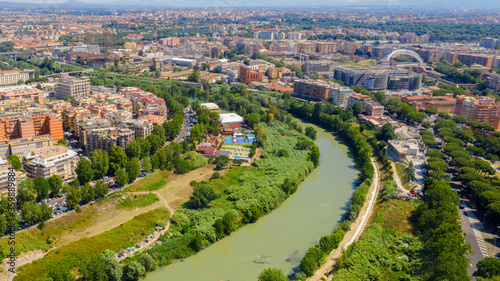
(133, 150)
(84, 171)
(88, 193)
(121, 177)
(100, 163)
(56, 184)
(15, 162)
(117, 159)
(156, 142)
(145, 146)
(357, 108)
(101, 189)
(133, 168)
(26, 191)
(146, 164)
(73, 196)
(42, 187)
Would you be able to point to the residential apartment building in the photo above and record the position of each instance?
(246, 75)
(357, 97)
(29, 126)
(318, 90)
(19, 146)
(68, 87)
(106, 138)
(4, 177)
(12, 77)
(471, 58)
(21, 93)
(374, 109)
(141, 128)
(340, 95)
(86, 124)
(69, 116)
(52, 160)
(489, 43)
(318, 66)
(481, 109)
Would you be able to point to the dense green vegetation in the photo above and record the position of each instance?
(437, 31)
(381, 254)
(58, 263)
(457, 76)
(241, 196)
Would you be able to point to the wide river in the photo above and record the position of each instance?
(282, 237)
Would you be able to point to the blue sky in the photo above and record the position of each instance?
(390, 4)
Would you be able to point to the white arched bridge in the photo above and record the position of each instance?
(404, 52)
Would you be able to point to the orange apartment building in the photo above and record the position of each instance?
(471, 58)
(313, 89)
(246, 75)
(482, 109)
(21, 93)
(30, 126)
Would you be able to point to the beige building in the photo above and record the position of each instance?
(8, 77)
(4, 177)
(19, 146)
(72, 87)
(53, 160)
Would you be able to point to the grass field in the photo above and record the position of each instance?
(402, 171)
(154, 181)
(137, 200)
(71, 255)
(395, 214)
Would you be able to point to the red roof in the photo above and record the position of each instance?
(206, 148)
(234, 125)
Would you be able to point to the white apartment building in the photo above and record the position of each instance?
(53, 160)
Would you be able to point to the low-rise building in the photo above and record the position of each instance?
(444, 104)
(154, 119)
(52, 160)
(401, 149)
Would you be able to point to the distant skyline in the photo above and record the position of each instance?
(389, 4)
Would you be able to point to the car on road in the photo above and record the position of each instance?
(462, 206)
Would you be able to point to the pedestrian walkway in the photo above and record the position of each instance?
(477, 225)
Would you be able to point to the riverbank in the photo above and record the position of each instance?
(277, 238)
(357, 228)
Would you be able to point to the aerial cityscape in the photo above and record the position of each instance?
(271, 141)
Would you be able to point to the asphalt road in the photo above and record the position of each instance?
(471, 226)
(184, 131)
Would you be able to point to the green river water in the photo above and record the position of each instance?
(282, 237)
